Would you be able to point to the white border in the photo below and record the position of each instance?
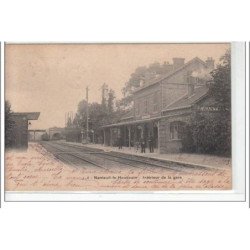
(238, 116)
(126, 196)
(2, 91)
(238, 158)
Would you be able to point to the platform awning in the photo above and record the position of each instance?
(131, 122)
(29, 115)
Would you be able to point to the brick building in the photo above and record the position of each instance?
(20, 134)
(163, 106)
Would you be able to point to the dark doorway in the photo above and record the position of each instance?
(155, 135)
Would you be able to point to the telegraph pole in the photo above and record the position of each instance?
(87, 113)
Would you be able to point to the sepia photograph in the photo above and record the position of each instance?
(118, 117)
(124, 125)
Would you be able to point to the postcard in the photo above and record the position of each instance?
(119, 119)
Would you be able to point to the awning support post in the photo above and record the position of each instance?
(111, 142)
(129, 137)
(158, 128)
(104, 137)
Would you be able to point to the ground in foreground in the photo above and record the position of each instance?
(39, 170)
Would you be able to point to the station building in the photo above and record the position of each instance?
(163, 106)
(20, 134)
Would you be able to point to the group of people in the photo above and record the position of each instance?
(142, 144)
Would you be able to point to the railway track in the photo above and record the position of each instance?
(102, 158)
(136, 158)
(60, 154)
(155, 163)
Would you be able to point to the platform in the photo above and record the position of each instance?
(201, 160)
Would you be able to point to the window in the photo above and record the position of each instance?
(146, 106)
(155, 102)
(137, 108)
(176, 130)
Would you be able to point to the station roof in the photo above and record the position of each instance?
(187, 101)
(183, 103)
(131, 122)
(171, 73)
(128, 115)
(29, 115)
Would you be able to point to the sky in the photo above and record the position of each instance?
(52, 78)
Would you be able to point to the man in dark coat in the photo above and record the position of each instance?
(143, 145)
(151, 143)
(120, 142)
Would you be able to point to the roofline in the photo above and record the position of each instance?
(177, 100)
(141, 121)
(183, 107)
(27, 114)
(127, 118)
(172, 73)
(150, 85)
(24, 113)
(203, 96)
(159, 117)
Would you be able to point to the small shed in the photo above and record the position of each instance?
(19, 137)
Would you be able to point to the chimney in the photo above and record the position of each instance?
(167, 66)
(190, 80)
(210, 63)
(178, 62)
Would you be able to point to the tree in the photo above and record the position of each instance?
(134, 81)
(109, 111)
(211, 131)
(211, 134)
(8, 124)
(220, 90)
(220, 86)
(111, 98)
(104, 89)
(142, 76)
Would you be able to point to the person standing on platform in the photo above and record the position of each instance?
(120, 142)
(151, 143)
(143, 145)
